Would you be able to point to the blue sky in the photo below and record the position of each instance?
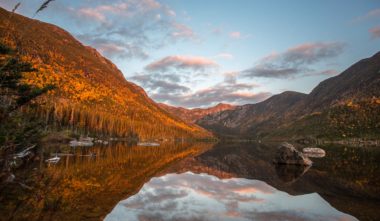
(201, 52)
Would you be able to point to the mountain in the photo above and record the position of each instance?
(242, 119)
(91, 94)
(347, 105)
(192, 115)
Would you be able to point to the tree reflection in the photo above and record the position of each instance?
(87, 188)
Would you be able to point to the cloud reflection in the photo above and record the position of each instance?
(190, 196)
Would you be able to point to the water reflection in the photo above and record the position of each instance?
(347, 177)
(79, 187)
(290, 173)
(190, 196)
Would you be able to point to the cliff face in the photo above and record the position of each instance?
(90, 92)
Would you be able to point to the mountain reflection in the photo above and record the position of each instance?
(190, 196)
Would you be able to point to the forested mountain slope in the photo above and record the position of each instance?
(91, 94)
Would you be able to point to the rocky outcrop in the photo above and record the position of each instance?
(288, 154)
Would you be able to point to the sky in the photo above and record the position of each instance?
(198, 53)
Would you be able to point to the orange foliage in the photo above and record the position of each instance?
(81, 102)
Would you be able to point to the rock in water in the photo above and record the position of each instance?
(314, 150)
(288, 154)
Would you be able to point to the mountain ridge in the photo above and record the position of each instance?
(346, 105)
(194, 114)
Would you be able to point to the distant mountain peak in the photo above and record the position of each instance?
(192, 115)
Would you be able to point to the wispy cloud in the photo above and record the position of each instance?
(235, 35)
(238, 35)
(181, 62)
(161, 84)
(295, 61)
(375, 32)
(373, 14)
(115, 48)
(131, 27)
(100, 12)
(182, 31)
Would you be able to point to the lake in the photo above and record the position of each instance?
(193, 181)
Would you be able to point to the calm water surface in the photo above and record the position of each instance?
(198, 181)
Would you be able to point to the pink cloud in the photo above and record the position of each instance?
(245, 190)
(181, 62)
(92, 14)
(329, 72)
(99, 12)
(235, 35)
(375, 32)
(110, 48)
(182, 31)
(151, 4)
(374, 13)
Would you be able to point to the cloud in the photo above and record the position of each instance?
(182, 31)
(99, 13)
(374, 13)
(181, 62)
(131, 27)
(171, 89)
(115, 48)
(217, 31)
(329, 72)
(295, 61)
(161, 83)
(225, 92)
(375, 32)
(238, 35)
(235, 35)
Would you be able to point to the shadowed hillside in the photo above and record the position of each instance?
(344, 106)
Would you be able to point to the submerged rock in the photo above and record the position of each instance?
(288, 154)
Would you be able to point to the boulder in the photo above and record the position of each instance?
(314, 152)
(288, 154)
